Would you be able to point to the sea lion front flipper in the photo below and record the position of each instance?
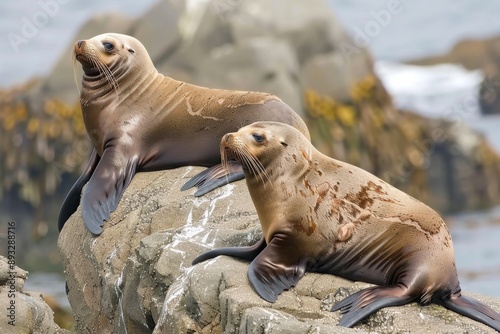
(106, 186)
(245, 253)
(275, 269)
(72, 199)
(473, 309)
(214, 177)
(361, 304)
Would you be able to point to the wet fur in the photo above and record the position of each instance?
(326, 216)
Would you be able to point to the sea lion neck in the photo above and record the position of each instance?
(103, 86)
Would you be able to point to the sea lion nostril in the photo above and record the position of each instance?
(228, 136)
(80, 42)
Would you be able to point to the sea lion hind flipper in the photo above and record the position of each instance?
(473, 309)
(105, 188)
(362, 304)
(245, 253)
(274, 270)
(72, 199)
(214, 177)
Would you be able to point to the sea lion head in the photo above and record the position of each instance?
(112, 58)
(267, 148)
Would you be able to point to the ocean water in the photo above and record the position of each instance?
(51, 284)
(33, 34)
(475, 238)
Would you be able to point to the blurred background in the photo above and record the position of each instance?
(407, 90)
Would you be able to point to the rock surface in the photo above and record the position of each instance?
(137, 275)
(23, 311)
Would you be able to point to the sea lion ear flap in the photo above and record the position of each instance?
(283, 142)
(129, 48)
(270, 272)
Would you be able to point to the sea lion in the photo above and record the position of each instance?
(323, 215)
(141, 120)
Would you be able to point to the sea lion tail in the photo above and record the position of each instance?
(473, 309)
(214, 177)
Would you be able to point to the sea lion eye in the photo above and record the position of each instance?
(257, 138)
(108, 46)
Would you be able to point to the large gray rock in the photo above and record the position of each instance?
(262, 45)
(309, 27)
(158, 28)
(23, 311)
(258, 64)
(221, 285)
(120, 278)
(137, 274)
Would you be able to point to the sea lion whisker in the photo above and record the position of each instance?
(74, 73)
(260, 171)
(257, 167)
(242, 156)
(223, 160)
(244, 160)
(105, 71)
(109, 76)
(225, 163)
(95, 63)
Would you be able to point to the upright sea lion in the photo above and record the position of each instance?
(323, 215)
(141, 120)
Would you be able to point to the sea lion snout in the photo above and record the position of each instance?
(79, 50)
(79, 46)
(228, 136)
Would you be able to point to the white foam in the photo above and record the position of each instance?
(446, 91)
(430, 90)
